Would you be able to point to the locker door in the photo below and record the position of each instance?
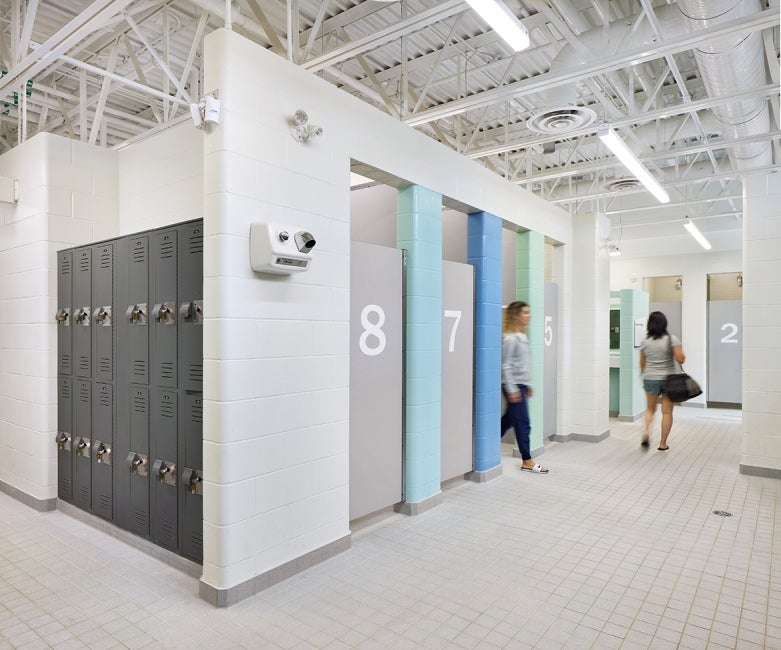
(165, 518)
(82, 312)
(102, 316)
(191, 306)
(82, 443)
(191, 459)
(138, 460)
(102, 449)
(64, 311)
(137, 311)
(64, 438)
(164, 311)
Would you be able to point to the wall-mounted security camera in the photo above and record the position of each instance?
(206, 111)
(273, 250)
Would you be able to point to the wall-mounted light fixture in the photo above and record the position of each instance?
(503, 22)
(678, 284)
(302, 130)
(694, 231)
(740, 279)
(606, 133)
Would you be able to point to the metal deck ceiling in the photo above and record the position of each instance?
(674, 78)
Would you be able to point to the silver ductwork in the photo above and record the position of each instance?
(728, 67)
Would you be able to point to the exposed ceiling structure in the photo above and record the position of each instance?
(692, 86)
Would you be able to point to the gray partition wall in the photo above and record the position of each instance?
(130, 375)
(550, 360)
(725, 352)
(376, 381)
(457, 440)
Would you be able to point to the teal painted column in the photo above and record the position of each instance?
(419, 231)
(634, 306)
(484, 251)
(530, 287)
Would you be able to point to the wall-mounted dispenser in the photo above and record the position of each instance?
(279, 248)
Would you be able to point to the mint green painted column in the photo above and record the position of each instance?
(634, 306)
(419, 231)
(530, 287)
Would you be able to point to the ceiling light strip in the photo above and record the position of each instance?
(631, 162)
(694, 231)
(503, 22)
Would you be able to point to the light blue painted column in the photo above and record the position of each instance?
(419, 231)
(484, 252)
(530, 287)
(634, 305)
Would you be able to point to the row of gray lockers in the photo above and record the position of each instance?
(130, 381)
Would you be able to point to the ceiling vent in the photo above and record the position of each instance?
(622, 185)
(561, 120)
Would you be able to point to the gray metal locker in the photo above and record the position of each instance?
(102, 311)
(190, 280)
(137, 310)
(163, 317)
(191, 461)
(63, 316)
(82, 312)
(64, 438)
(82, 443)
(164, 428)
(102, 449)
(121, 327)
(138, 460)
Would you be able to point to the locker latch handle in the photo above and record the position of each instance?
(102, 452)
(165, 471)
(136, 314)
(82, 447)
(192, 311)
(103, 315)
(63, 441)
(82, 316)
(165, 313)
(63, 316)
(137, 463)
(193, 478)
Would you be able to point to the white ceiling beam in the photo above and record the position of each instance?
(95, 16)
(631, 56)
(387, 35)
(142, 78)
(27, 28)
(104, 90)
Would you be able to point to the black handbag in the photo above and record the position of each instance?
(679, 386)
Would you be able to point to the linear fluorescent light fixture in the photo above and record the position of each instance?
(694, 231)
(631, 162)
(503, 22)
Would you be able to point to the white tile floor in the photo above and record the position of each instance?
(615, 548)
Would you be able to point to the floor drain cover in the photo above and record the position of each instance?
(722, 513)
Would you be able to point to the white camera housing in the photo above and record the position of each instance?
(279, 248)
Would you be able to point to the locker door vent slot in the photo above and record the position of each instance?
(83, 500)
(84, 366)
(105, 258)
(84, 263)
(167, 410)
(139, 368)
(65, 391)
(104, 365)
(84, 393)
(167, 370)
(168, 533)
(65, 266)
(141, 521)
(196, 413)
(196, 243)
(197, 542)
(104, 399)
(167, 250)
(196, 372)
(65, 360)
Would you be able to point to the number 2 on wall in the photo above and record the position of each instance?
(732, 335)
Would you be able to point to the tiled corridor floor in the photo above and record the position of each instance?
(616, 548)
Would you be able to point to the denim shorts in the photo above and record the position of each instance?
(653, 386)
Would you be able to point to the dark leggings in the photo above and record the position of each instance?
(517, 417)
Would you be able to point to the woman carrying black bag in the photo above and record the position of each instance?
(656, 362)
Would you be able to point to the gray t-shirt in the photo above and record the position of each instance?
(659, 356)
(516, 369)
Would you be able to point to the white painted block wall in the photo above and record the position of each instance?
(68, 196)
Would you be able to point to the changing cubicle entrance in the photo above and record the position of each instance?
(725, 340)
(457, 438)
(376, 379)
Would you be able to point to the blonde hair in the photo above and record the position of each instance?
(511, 313)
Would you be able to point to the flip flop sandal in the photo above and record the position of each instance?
(537, 469)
